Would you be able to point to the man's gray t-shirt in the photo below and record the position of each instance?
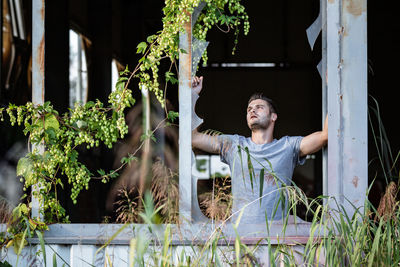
(278, 159)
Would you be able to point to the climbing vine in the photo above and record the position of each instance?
(55, 137)
(229, 14)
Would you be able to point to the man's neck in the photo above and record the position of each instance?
(262, 136)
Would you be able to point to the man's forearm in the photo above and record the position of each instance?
(315, 141)
(206, 142)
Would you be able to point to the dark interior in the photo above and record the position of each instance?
(277, 35)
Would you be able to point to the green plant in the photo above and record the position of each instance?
(165, 44)
(217, 203)
(22, 226)
(55, 137)
(5, 264)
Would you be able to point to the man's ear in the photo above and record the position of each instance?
(274, 116)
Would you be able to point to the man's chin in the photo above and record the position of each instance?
(255, 126)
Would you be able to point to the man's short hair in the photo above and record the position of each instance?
(269, 101)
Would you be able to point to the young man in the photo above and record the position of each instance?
(274, 159)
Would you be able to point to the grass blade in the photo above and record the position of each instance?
(110, 239)
(54, 260)
(41, 240)
(261, 184)
(250, 167)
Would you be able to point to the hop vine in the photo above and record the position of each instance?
(56, 138)
(222, 13)
(55, 141)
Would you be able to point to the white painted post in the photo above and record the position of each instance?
(38, 90)
(185, 124)
(347, 101)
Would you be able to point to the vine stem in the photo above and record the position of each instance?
(135, 70)
(165, 90)
(133, 154)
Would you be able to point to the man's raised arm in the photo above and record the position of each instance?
(206, 142)
(315, 141)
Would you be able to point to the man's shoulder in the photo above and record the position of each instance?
(233, 139)
(232, 136)
(289, 138)
(293, 141)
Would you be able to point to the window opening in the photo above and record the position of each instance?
(78, 80)
(114, 74)
(283, 68)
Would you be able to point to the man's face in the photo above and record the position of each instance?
(258, 114)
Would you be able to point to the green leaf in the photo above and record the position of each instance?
(141, 48)
(237, 250)
(51, 136)
(25, 168)
(261, 183)
(19, 211)
(40, 237)
(46, 105)
(50, 121)
(172, 115)
(122, 78)
(169, 77)
(110, 239)
(129, 159)
(120, 84)
(54, 260)
(24, 209)
(132, 101)
(113, 174)
(20, 242)
(89, 104)
(151, 38)
(73, 155)
(5, 264)
(222, 19)
(183, 51)
(142, 59)
(148, 135)
(125, 71)
(101, 172)
(241, 161)
(250, 167)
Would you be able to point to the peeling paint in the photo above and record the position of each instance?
(40, 62)
(355, 181)
(42, 10)
(341, 30)
(188, 56)
(40, 59)
(356, 7)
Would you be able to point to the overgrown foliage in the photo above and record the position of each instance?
(369, 237)
(55, 138)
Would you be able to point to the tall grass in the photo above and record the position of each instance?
(336, 239)
(369, 236)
